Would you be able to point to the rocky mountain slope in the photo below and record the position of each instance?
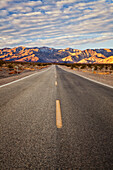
(45, 54)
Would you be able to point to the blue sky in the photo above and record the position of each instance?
(79, 24)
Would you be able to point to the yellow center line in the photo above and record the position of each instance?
(55, 83)
(58, 115)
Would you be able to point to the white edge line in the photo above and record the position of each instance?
(89, 79)
(22, 78)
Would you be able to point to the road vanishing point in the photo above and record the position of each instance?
(55, 119)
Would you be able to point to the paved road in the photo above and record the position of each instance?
(29, 137)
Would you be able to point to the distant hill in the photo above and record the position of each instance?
(46, 54)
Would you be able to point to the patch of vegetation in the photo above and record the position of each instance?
(101, 67)
(111, 67)
(72, 66)
(89, 66)
(83, 67)
(95, 67)
(106, 67)
(1, 63)
(10, 66)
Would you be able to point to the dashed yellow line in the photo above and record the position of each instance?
(56, 83)
(58, 115)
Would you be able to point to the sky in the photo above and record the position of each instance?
(78, 24)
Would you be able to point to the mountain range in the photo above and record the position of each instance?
(47, 55)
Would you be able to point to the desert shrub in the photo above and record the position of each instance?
(72, 66)
(20, 67)
(75, 65)
(39, 64)
(83, 66)
(95, 67)
(101, 67)
(10, 66)
(106, 67)
(111, 67)
(1, 63)
(68, 65)
(89, 65)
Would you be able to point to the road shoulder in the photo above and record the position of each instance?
(7, 80)
(106, 80)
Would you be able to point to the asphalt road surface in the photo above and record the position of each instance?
(29, 135)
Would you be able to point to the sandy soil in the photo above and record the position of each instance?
(103, 78)
(107, 79)
(5, 77)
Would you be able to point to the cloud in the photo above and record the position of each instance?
(3, 4)
(3, 13)
(63, 42)
(31, 14)
(63, 2)
(64, 22)
(54, 12)
(32, 3)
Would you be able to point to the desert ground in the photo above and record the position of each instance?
(10, 71)
(13, 71)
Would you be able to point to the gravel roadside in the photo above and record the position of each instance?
(17, 76)
(106, 79)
